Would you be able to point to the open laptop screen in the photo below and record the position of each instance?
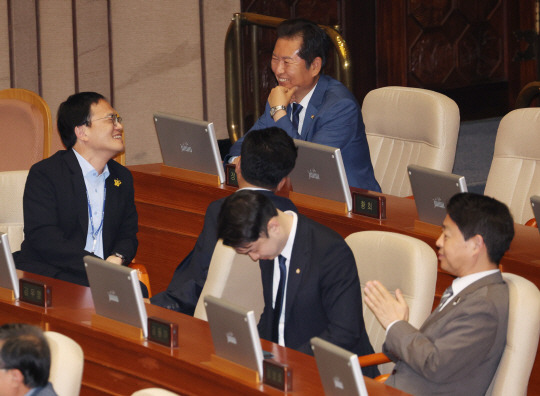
(319, 171)
(189, 144)
(116, 292)
(8, 273)
(432, 189)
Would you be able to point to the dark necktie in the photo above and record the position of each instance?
(279, 298)
(296, 109)
(446, 295)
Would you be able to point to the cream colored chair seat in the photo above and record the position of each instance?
(409, 126)
(397, 261)
(234, 277)
(67, 362)
(11, 206)
(515, 367)
(514, 174)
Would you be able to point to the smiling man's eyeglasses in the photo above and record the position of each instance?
(115, 118)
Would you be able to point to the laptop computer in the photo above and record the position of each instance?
(189, 144)
(339, 369)
(432, 189)
(319, 171)
(234, 333)
(8, 272)
(535, 204)
(116, 292)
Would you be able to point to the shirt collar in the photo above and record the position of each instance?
(459, 284)
(287, 250)
(87, 168)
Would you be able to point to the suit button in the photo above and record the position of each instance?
(394, 371)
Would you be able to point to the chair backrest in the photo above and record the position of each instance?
(516, 363)
(409, 126)
(154, 392)
(514, 174)
(234, 277)
(11, 206)
(397, 261)
(67, 362)
(25, 136)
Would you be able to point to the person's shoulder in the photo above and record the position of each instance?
(335, 91)
(320, 230)
(54, 161)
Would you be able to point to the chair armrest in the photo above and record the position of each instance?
(382, 377)
(532, 223)
(142, 273)
(373, 359)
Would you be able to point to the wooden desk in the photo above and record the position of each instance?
(119, 366)
(171, 214)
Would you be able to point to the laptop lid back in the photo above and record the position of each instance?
(116, 292)
(189, 144)
(234, 333)
(319, 171)
(432, 189)
(8, 273)
(339, 369)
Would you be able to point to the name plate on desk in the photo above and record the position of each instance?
(277, 375)
(162, 332)
(230, 175)
(369, 205)
(34, 292)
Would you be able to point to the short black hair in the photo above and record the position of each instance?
(315, 40)
(476, 214)
(75, 111)
(267, 156)
(25, 348)
(244, 218)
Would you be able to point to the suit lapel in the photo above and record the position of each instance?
(298, 262)
(79, 189)
(436, 315)
(313, 107)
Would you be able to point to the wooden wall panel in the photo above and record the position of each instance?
(4, 46)
(93, 46)
(24, 54)
(216, 19)
(57, 57)
(157, 67)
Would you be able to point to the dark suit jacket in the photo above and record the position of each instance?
(333, 118)
(56, 218)
(189, 277)
(323, 293)
(457, 350)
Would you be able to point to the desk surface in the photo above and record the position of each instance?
(171, 215)
(118, 365)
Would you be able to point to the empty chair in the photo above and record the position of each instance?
(153, 392)
(25, 137)
(409, 126)
(514, 174)
(11, 206)
(397, 261)
(234, 277)
(67, 361)
(515, 367)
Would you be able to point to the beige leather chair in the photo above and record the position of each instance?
(25, 136)
(397, 261)
(234, 277)
(154, 392)
(67, 362)
(514, 174)
(409, 126)
(513, 373)
(11, 206)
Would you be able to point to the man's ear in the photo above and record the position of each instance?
(316, 66)
(80, 132)
(478, 242)
(273, 226)
(16, 377)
